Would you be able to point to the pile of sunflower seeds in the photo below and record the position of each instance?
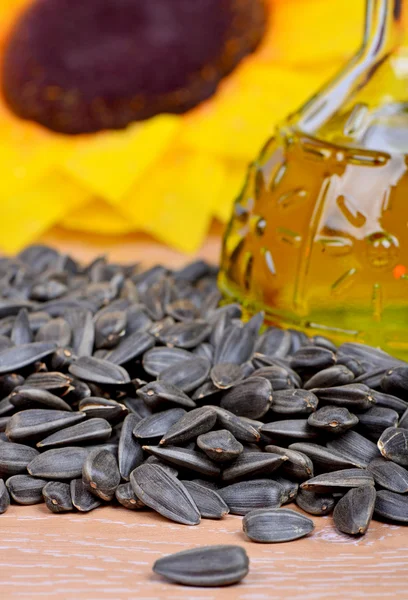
(137, 387)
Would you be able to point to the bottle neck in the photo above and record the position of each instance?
(384, 28)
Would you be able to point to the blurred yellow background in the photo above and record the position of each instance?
(168, 176)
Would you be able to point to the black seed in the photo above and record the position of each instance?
(59, 463)
(126, 496)
(327, 460)
(391, 506)
(33, 424)
(315, 504)
(338, 480)
(253, 464)
(268, 525)
(330, 377)
(4, 497)
(26, 397)
(191, 425)
(157, 425)
(354, 511)
(354, 396)
(291, 429)
(99, 371)
(158, 394)
(241, 429)
(389, 475)
(188, 374)
(298, 465)
(355, 447)
(82, 498)
(57, 496)
(376, 419)
(245, 496)
(14, 458)
(393, 444)
(209, 503)
(130, 453)
(333, 419)
(294, 402)
(25, 489)
(250, 398)
(220, 445)
(183, 457)
(131, 347)
(91, 430)
(17, 357)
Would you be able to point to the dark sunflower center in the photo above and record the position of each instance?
(79, 66)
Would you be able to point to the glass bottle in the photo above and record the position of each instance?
(318, 237)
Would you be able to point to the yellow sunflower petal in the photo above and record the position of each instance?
(97, 216)
(108, 163)
(173, 201)
(25, 215)
(243, 115)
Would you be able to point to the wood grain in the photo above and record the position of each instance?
(108, 553)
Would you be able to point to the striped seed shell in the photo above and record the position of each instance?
(311, 359)
(17, 357)
(206, 566)
(97, 370)
(165, 494)
(298, 429)
(391, 506)
(331, 377)
(4, 497)
(253, 464)
(274, 342)
(158, 359)
(83, 331)
(21, 332)
(338, 480)
(185, 334)
(82, 498)
(25, 397)
(242, 430)
(388, 401)
(225, 375)
(14, 458)
(186, 458)
(249, 398)
(131, 347)
(393, 444)
(110, 327)
(88, 431)
(130, 453)
(220, 445)
(354, 511)
(208, 501)
(395, 381)
(158, 393)
(376, 419)
(294, 402)
(57, 496)
(315, 504)
(298, 465)
(53, 381)
(270, 525)
(327, 460)
(190, 425)
(187, 375)
(238, 342)
(389, 475)
(58, 463)
(33, 424)
(57, 331)
(156, 425)
(354, 396)
(333, 419)
(244, 496)
(126, 497)
(278, 376)
(103, 408)
(25, 489)
(355, 447)
(100, 473)
(290, 488)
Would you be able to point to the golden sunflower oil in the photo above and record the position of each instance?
(319, 235)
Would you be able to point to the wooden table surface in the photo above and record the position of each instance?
(108, 554)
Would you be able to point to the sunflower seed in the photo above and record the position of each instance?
(183, 457)
(185, 335)
(392, 506)
(290, 429)
(240, 429)
(238, 343)
(376, 419)
(387, 401)
(250, 398)
(354, 396)
(157, 394)
(389, 475)
(353, 512)
(153, 460)
(274, 342)
(209, 503)
(21, 332)
(338, 480)
(220, 445)
(294, 402)
(158, 359)
(187, 375)
(191, 425)
(207, 566)
(368, 354)
(25, 489)
(395, 381)
(14, 458)
(57, 331)
(97, 370)
(9, 382)
(353, 364)
(91, 430)
(157, 425)
(278, 376)
(25, 397)
(100, 473)
(315, 504)
(6, 407)
(165, 494)
(137, 320)
(253, 464)
(82, 498)
(311, 359)
(182, 310)
(126, 497)
(244, 496)
(17, 357)
(109, 328)
(57, 496)
(372, 378)
(58, 463)
(204, 350)
(331, 377)
(393, 444)
(271, 525)
(131, 347)
(4, 497)
(355, 447)
(57, 383)
(298, 465)
(327, 460)
(130, 453)
(104, 408)
(334, 419)
(33, 424)
(83, 331)
(225, 375)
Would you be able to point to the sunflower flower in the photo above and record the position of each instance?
(122, 115)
